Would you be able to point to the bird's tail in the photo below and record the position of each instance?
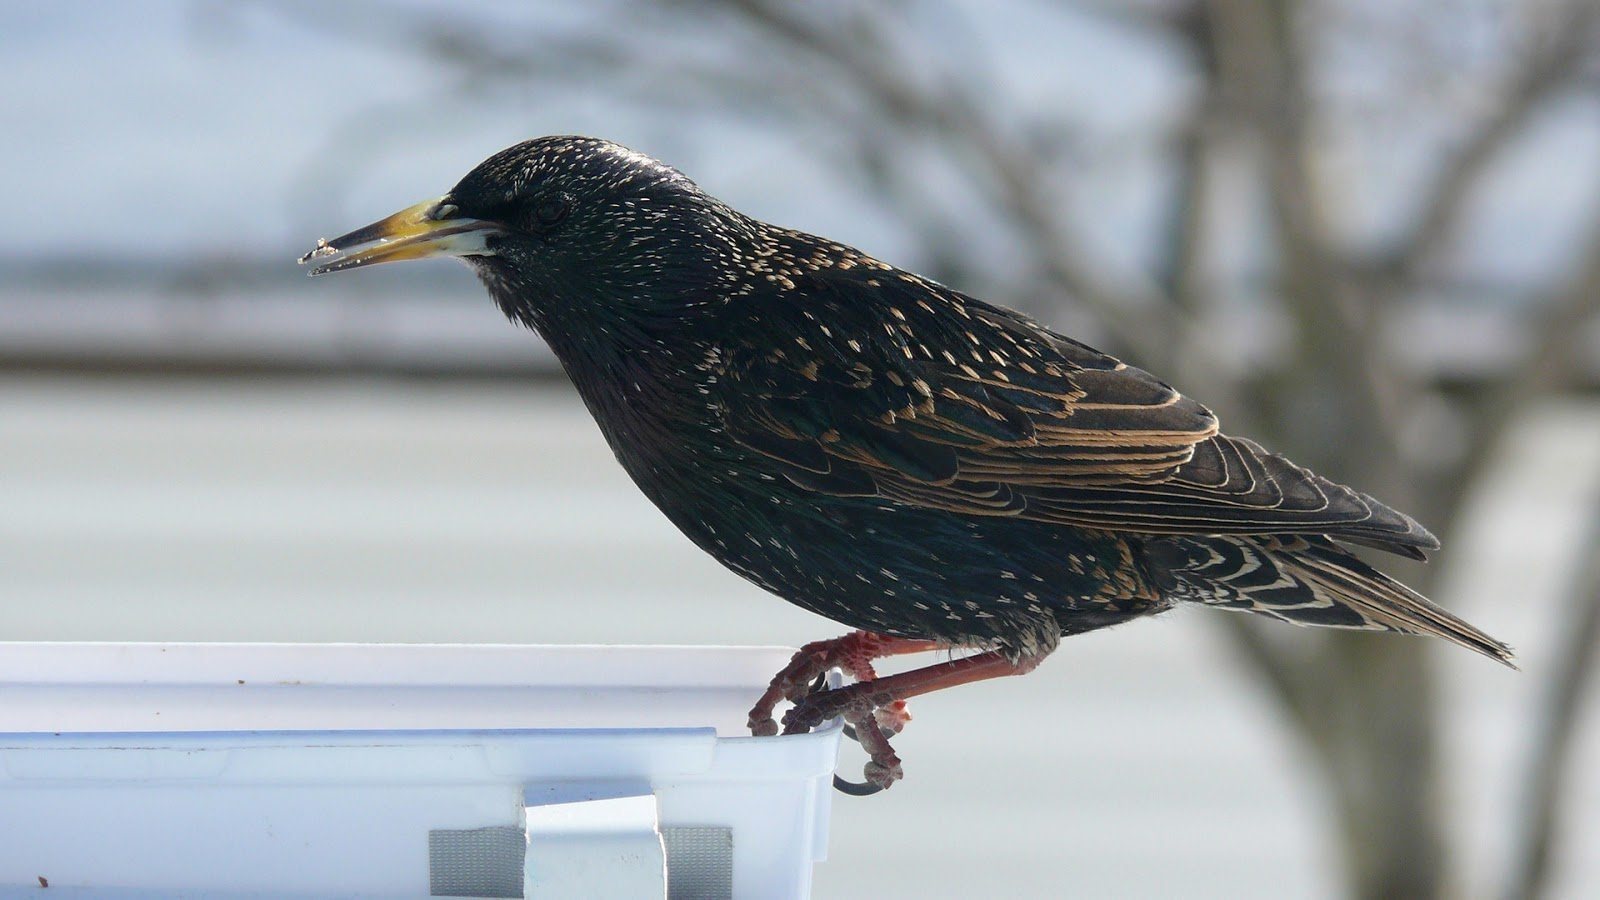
(1307, 580)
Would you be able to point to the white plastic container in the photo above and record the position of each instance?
(335, 770)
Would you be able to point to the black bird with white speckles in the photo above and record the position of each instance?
(922, 466)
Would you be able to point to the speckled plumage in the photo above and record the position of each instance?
(896, 455)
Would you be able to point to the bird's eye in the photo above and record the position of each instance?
(551, 209)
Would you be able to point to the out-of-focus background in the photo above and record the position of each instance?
(1368, 234)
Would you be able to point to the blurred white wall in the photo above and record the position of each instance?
(1136, 762)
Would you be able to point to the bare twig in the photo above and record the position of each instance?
(1547, 65)
(958, 119)
(1262, 64)
(1551, 360)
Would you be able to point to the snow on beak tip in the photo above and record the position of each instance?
(430, 228)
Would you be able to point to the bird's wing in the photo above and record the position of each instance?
(873, 382)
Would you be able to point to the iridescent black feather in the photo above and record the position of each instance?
(895, 454)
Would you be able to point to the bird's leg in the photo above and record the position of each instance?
(857, 702)
(854, 653)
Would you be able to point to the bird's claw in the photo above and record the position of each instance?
(860, 709)
(768, 727)
(891, 720)
(883, 764)
(855, 788)
(804, 683)
(806, 674)
(882, 774)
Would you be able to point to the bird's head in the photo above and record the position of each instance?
(561, 223)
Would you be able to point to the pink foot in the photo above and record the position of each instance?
(854, 653)
(876, 707)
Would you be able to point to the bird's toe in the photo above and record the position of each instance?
(883, 773)
(892, 718)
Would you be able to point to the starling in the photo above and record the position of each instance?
(931, 470)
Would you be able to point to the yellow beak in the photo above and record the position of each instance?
(431, 228)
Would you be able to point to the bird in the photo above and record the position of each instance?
(932, 471)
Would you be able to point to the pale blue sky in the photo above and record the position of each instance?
(167, 128)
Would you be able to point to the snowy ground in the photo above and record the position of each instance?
(1136, 763)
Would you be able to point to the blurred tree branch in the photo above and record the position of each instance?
(1553, 59)
(947, 111)
(1551, 361)
(1382, 767)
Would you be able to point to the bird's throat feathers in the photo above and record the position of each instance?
(637, 360)
(589, 321)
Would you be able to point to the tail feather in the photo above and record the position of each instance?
(1306, 580)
